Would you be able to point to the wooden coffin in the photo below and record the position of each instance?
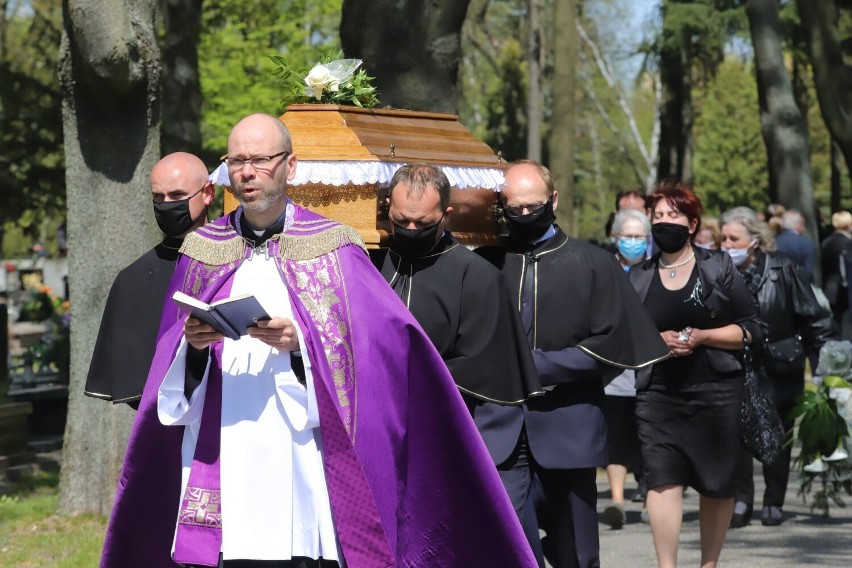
(326, 137)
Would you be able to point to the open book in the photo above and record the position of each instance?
(231, 316)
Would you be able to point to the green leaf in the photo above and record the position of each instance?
(833, 381)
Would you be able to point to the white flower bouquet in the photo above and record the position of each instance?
(338, 81)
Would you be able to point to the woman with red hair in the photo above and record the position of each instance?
(688, 406)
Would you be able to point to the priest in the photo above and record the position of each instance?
(332, 434)
(182, 193)
(583, 321)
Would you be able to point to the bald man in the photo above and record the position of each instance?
(331, 434)
(182, 193)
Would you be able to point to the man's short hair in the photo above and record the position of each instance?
(627, 193)
(420, 176)
(542, 171)
(842, 220)
(285, 135)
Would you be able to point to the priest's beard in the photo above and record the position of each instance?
(269, 198)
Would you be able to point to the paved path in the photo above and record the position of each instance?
(803, 539)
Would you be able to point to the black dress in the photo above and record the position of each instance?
(688, 407)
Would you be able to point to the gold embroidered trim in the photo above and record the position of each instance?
(213, 253)
(97, 395)
(219, 230)
(313, 222)
(603, 359)
(306, 247)
(314, 228)
(503, 402)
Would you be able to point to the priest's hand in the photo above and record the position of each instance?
(199, 334)
(279, 333)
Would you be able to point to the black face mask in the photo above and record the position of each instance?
(173, 217)
(412, 244)
(530, 227)
(670, 237)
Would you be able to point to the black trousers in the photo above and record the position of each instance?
(775, 474)
(517, 477)
(563, 502)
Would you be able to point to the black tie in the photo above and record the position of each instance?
(528, 295)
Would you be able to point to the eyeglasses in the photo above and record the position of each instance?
(256, 162)
(518, 210)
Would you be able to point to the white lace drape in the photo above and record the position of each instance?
(367, 173)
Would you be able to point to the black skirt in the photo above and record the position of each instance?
(691, 436)
(622, 436)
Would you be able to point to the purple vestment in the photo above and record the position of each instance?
(409, 479)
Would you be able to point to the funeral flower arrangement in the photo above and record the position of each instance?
(824, 411)
(338, 81)
(53, 352)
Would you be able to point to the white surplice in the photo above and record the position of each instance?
(275, 502)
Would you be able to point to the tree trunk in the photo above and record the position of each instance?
(563, 85)
(181, 86)
(676, 112)
(832, 75)
(109, 71)
(534, 101)
(4, 67)
(784, 131)
(412, 48)
(837, 169)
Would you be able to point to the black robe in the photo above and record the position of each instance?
(583, 320)
(464, 306)
(128, 332)
(578, 296)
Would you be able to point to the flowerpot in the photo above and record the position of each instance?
(347, 156)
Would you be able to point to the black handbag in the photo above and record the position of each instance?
(784, 355)
(761, 428)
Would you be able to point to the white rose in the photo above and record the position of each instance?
(317, 79)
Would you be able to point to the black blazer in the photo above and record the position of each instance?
(725, 296)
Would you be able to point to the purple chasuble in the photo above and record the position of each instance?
(409, 479)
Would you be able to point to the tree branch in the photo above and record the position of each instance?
(603, 68)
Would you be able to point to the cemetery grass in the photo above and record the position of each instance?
(33, 535)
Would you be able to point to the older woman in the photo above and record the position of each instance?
(688, 407)
(795, 320)
(632, 230)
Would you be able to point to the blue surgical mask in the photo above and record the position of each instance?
(631, 249)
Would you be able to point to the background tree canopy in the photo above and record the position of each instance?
(32, 183)
(670, 84)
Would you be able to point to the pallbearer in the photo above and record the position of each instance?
(582, 320)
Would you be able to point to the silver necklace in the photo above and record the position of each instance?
(674, 267)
